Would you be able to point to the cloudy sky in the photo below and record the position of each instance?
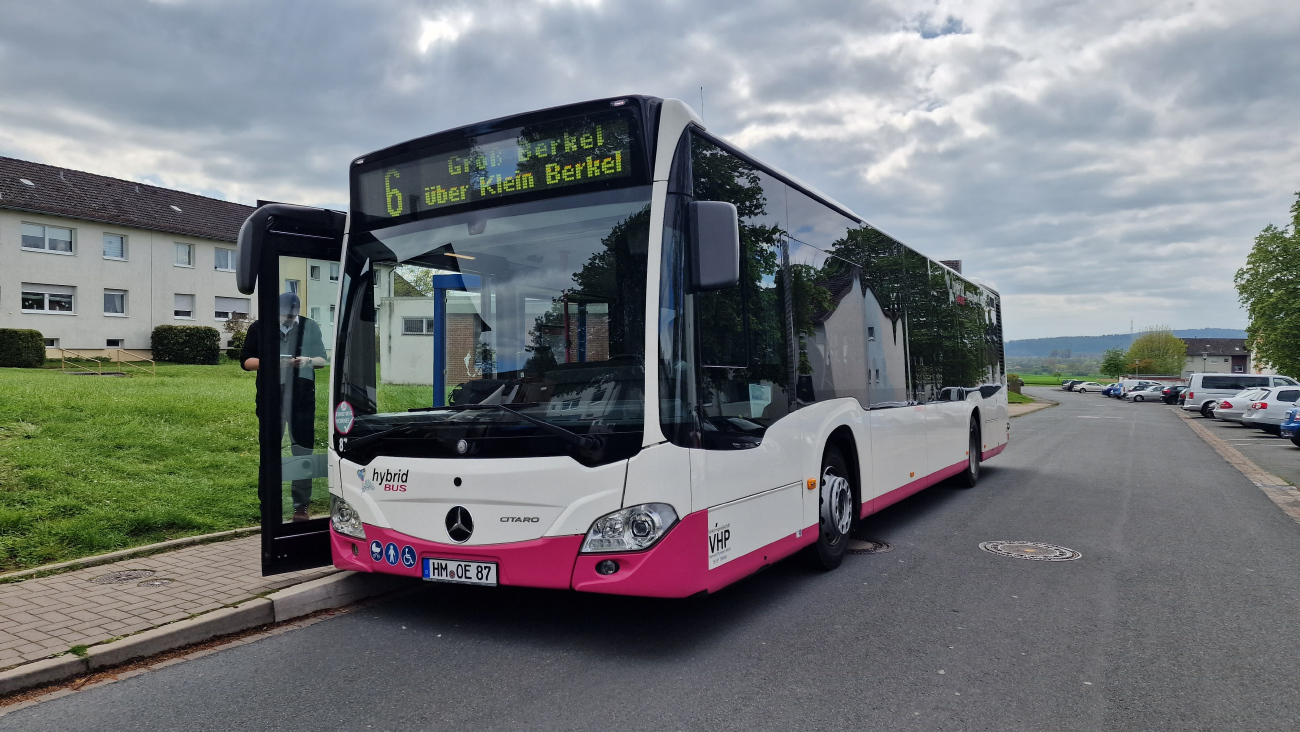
(1101, 162)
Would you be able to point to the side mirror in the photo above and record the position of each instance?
(715, 252)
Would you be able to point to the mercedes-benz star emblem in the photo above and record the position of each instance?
(462, 447)
(460, 525)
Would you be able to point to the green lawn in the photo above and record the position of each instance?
(1015, 398)
(89, 464)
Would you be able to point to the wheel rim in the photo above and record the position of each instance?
(837, 497)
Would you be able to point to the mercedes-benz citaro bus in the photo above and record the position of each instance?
(599, 348)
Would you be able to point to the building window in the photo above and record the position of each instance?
(113, 343)
(51, 342)
(315, 314)
(225, 259)
(47, 238)
(291, 286)
(184, 255)
(417, 326)
(331, 315)
(228, 306)
(334, 272)
(47, 298)
(115, 302)
(183, 306)
(314, 272)
(114, 246)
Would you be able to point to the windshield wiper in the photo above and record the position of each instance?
(582, 442)
(348, 444)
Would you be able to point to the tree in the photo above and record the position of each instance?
(1113, 363)
(1269, 288)
(1156, 351)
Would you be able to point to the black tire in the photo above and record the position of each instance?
(974, 457)
(1206, 409)
(835, 497)
(1296, 440)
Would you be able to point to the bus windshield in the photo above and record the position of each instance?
(539, 307)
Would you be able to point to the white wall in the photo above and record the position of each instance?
(149, 275)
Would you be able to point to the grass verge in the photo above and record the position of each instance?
(91, 464)
(1015, 398)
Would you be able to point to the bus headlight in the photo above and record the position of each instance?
(345, 519)
(630, 529)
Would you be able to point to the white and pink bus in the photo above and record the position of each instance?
(598, 348)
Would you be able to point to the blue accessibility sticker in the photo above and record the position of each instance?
(376, 551)
(390, 553)
(408, 557)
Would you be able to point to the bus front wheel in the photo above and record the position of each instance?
(835, 517)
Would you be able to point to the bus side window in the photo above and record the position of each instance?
(743, 340)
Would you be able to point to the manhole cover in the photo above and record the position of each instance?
(122, 577)
(869, 546)
(1030, 550)
(154, 582)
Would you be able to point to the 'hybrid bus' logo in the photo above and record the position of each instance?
(391, 480)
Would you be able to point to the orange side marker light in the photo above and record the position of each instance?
(812, 484)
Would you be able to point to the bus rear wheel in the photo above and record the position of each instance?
(835, 517)
(971, 475)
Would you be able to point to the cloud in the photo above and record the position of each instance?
(1099, 161)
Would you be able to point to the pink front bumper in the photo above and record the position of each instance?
(675, 567)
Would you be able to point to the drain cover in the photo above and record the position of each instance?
(122, 577)
(869, 546)
(154, 582)
(1030, 550)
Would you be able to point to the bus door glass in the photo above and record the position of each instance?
(290, 353)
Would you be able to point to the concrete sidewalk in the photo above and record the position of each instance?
(49, 624)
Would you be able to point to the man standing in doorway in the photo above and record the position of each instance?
(302, 351)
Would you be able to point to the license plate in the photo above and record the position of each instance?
(455, 570)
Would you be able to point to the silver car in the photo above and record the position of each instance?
(1088, 386)
(1231, 408)
(1145, 393)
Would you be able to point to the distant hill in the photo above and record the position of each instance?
(1094, 345)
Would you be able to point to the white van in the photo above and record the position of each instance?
(1206, 390)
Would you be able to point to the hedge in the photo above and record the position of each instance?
(236, 345)
(22, 348)
(186, 344)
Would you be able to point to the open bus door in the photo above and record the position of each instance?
(293, 431)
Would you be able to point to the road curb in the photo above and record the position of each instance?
(1279, 491)
(117, 556)
(1038, 405)
(324, 593)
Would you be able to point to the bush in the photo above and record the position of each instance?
(236, 346)
(186, 344)
(22, 348)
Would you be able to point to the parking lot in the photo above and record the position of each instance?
(1274, 454)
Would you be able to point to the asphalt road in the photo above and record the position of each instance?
(1180, 615)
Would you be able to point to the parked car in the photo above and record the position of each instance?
(1111, 390)
(1232, 408)
(1084, 387)
(1171, 394)
(1269, 409)
(1290, 427)
(1146, 393)
(1127, 385)
(1069, 384)
(1205, 391)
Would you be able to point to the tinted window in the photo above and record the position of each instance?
(1236, 383)
(1288, 395)
(744, 341)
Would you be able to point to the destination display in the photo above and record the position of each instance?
(548, 156)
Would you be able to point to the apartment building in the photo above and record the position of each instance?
(95, 263)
